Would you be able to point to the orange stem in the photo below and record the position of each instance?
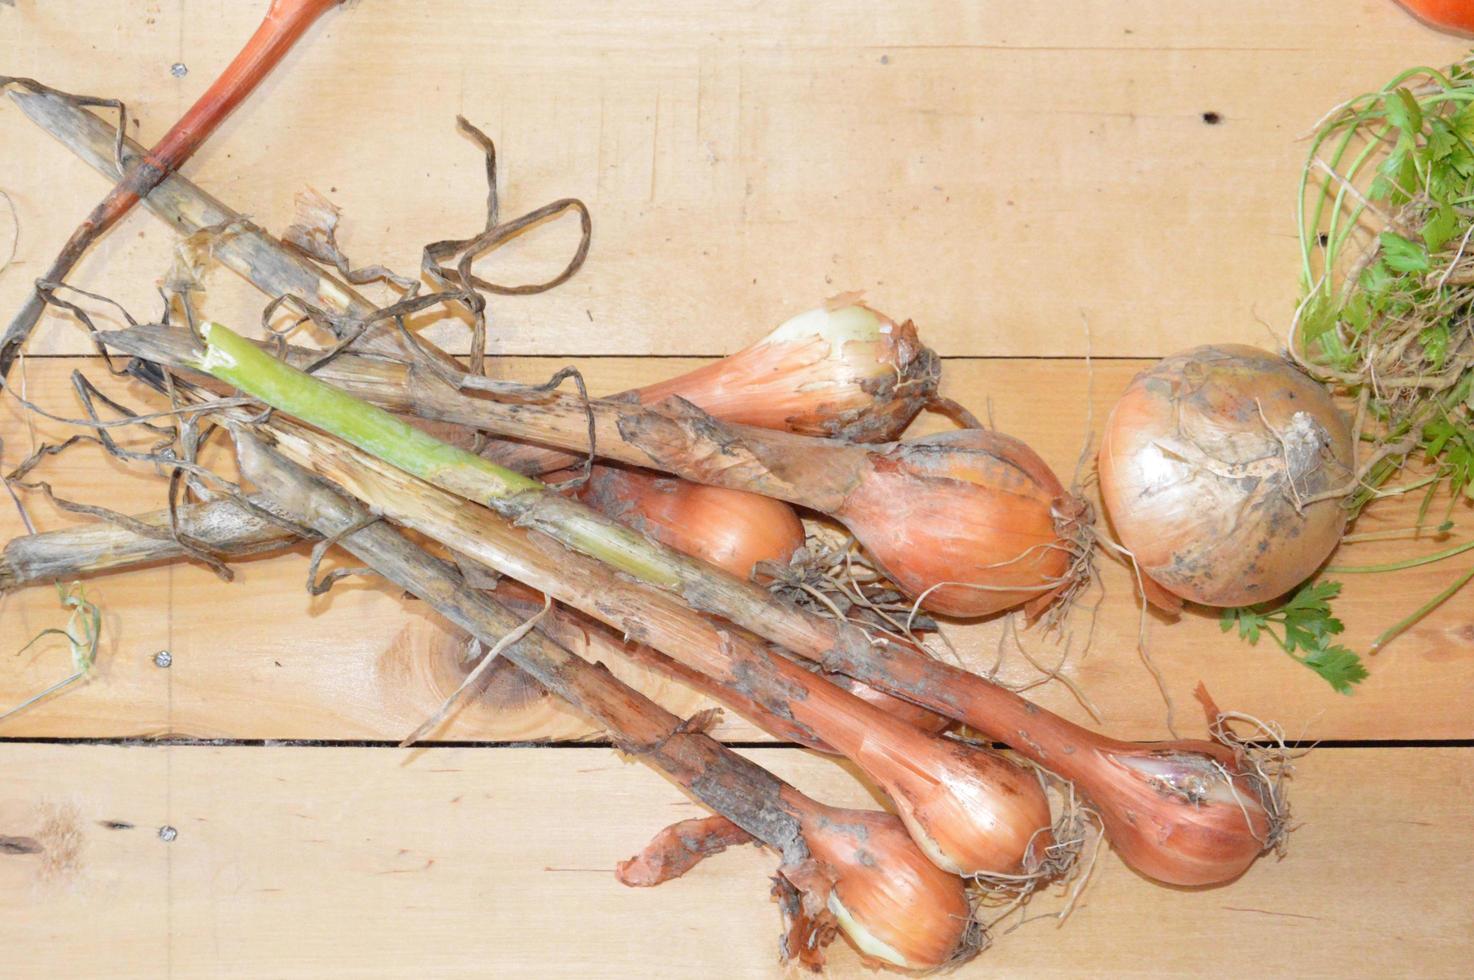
(284, 23)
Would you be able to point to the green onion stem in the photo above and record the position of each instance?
(1423, 610)
(1397, 566)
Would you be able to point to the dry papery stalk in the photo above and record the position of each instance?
(873, 405)
(278, 271)
(222, 527)
(284, 23)
(856, 867)
(900, 669)
(861, 375)
(229, 532)
(288, 275)
(972, 811)
(1184, 812)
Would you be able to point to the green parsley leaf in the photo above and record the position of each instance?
(1440, 227)
(1339, 666)
(1309, 627)
(1404, 112)
(1402, 255)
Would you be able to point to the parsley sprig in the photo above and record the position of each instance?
(1307, 632)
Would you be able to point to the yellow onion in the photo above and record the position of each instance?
(971, 507)
(840, 370)
(731, 529)
(1220, 469)
(894, 905)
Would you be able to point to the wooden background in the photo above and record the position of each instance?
(1006, 174)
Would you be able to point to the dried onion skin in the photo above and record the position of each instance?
(1222, 470)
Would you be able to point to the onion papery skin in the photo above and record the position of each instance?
(894, 904)
(844, 371)
(970, 506)
(731, 529)
(1198, 488)
(970, 811)
(1174, 817)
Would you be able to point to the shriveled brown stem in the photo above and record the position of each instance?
(574, 630)
(278, 271)
(738, 789)
(751, 798)
(1209, 815)
(674, 437)
(222, 527)
(647, 616)
(284, 23)
(679, 848)
(971, 810)
(243, 247)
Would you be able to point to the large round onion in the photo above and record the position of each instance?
(1209, 469)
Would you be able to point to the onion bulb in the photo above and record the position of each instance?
(840, 370)
(893, 904)
(1220, 469)
(731, 529)
(971, 521)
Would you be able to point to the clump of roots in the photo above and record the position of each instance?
(832, 576)
(1062, 865)
(1265, 761)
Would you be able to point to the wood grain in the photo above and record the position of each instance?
(335, 862)
(260, 659)
(993, 170)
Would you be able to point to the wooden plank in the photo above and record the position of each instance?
(993, 170)
(259, 659)
(320, 862)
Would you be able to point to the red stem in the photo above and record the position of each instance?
(284, 23)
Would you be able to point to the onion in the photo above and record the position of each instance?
(1184, 813)
(972, 507)
(969, 810)
(971, 522)
(840, 370)
(1220, 469)
(731, 529)
(894, 904)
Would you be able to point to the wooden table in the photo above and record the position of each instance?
(1031, 183)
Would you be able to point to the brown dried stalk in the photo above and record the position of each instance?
(737, 789)
(285, 22)
(222, 527)
(238, 244)
(1218, 813)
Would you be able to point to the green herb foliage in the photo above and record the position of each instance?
(1307, 632)
(1388, 272)
(1387, 317)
